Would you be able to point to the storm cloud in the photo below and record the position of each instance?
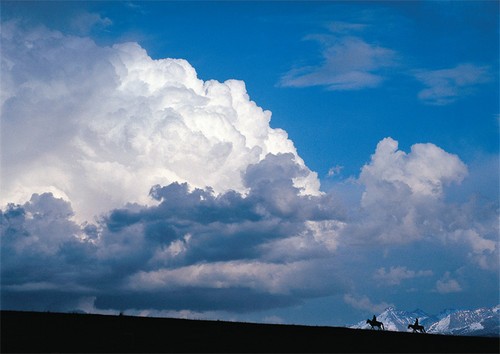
(195, 250)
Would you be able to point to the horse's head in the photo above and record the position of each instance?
(409, 326)
(367, 321)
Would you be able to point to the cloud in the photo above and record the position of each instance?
(483, 251)
(349, 62)
(395, 275)
(364, 303)
(151, 191)
(345, 27)
(198, 252)
(110, 122)
(183, 176)
(335, 170)
(446, 86)
(422, 172)
(403, 197)
(257, 276)
(85, 22)
(447, 285)
(195, 250)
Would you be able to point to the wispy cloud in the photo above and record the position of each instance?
(445, 86)
(349, 62)
(395, 275)
(335, 170)
(85, 22)
(365, 304)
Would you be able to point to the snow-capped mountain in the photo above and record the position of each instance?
(479, 322)
(397, 320)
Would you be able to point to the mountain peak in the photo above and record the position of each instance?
(478, 322)
(390, 309)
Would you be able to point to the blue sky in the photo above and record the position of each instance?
(391, 115)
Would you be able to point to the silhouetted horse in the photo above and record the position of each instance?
(375, 323)
(417, 328)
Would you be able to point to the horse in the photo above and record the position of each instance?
(417, 328)
(375, 323)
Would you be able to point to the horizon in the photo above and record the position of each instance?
(284, 162)
(431, 323)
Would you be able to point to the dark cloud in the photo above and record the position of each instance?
(151, 257)
(228, 226)
(272, 247)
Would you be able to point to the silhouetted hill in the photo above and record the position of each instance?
(57, 332)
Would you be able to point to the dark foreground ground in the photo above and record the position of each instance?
(66, 333)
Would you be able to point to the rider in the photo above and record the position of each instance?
(374, 319)
(416, 322)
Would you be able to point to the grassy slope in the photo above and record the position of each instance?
(55, 332)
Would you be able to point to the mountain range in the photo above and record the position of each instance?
(478, 322)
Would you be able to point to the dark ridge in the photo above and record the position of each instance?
(83, 333)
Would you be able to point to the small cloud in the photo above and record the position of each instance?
(483, 251)
(343, 27)
(395, 275)
(445, 86)
(448, 285)
(425, 170)
(132, 5)
(349, 62)
(365, 304)
(86, 22)
(335, 170)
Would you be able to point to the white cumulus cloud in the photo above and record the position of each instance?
(99, 126)
(403, 197)
(424, 171)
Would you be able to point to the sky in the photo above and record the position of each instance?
(264, 161)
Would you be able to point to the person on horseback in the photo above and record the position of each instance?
(416, 327)
(374, 323)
